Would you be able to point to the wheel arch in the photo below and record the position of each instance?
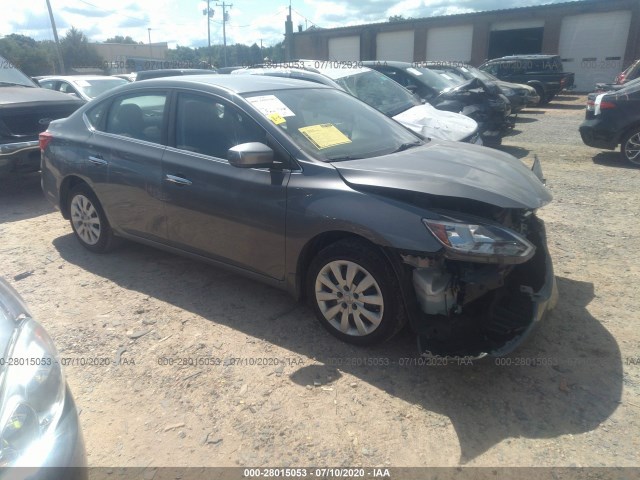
(68, 184)
(321, 241)
(634, 126)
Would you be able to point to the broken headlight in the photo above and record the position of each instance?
(480, 242)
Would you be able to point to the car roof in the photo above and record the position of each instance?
(537, 56)
(71, 78)
(239, 84)
(391, 63)
(294, 73)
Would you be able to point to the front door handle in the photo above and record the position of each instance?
(97, 160)
(177, 180)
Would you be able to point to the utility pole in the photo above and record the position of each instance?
(224, 30)
(208, 13)
(288, 37)
(55, 36)
(150, 52)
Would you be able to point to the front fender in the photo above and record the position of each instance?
(320, 202)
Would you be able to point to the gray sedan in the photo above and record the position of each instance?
(309, 189)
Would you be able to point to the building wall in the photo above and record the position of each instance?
(314, 44)
(115, 55)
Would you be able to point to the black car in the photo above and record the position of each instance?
(542, 72)
(520, 96)
(473, 98)
(39, 428)
(311, 190)
(613, 119)
(25, 111)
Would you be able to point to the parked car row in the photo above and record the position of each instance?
(478, 98)
(385, 95)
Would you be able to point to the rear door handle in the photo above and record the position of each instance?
(177, 180)
(97, 160)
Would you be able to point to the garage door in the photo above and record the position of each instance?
(450, 43)
(344, 48)
(592, 46)
(396, 46)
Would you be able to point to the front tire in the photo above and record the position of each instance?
(354, 293)
(630, 146)
(88, 221)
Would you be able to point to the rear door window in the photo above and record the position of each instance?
(140, 117)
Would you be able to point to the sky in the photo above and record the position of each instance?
(182, 22)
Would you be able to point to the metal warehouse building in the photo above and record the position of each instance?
(595, 38)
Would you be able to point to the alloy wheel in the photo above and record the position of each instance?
(85, 219)
(349, 298)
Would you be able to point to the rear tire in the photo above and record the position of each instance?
(540, 91)
(630, 146)
(355, 293)
(88, 220)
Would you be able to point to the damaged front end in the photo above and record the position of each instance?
(484, 104)
(484, 291)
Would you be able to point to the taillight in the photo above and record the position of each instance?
(607, 105)
(44, 138)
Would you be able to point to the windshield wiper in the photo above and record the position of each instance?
(11, 84)
(345, 157)
(406, 146)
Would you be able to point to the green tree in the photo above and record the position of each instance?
(120, 39)
(33, 58)
(77, 52)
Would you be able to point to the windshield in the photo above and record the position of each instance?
(433, 78)
(379, 91)
(477, 73)
(330, 125)
(93, 88)
(10, 75)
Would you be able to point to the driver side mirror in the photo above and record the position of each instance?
(251, 155)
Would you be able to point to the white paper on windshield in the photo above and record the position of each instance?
(82, 83)
(414, 71)
(446, 76)
(464, 69)
(271, 106)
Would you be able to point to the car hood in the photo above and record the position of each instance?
(433, 123)
(516, 86)
(451, 169)
(34, 96)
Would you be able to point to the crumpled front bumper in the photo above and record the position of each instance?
(504, 321)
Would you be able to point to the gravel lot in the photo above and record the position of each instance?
(298, 397)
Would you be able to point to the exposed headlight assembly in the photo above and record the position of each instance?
(32, 396)
(480, 242)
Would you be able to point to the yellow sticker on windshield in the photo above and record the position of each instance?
(324, 136)
(276, 118)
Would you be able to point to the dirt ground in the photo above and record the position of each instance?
(206, 368)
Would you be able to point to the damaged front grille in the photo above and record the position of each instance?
(473, 309)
